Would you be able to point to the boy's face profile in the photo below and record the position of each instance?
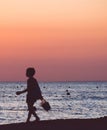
(30, 72)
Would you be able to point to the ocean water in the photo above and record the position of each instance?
(68, 100)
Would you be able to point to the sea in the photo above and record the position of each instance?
(68, 100)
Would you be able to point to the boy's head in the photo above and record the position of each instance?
(30, 72)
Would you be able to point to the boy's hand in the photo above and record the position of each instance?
(18, 92)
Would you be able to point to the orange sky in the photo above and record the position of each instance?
(63, 39)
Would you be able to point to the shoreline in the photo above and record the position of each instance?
(59, 124)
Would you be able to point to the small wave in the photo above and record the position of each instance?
(13, 110)
(98, 98)
(1, 118)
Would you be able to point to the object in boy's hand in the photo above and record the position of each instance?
(45, 105)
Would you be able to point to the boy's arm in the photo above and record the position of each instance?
(20, 92)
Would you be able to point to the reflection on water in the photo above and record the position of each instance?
(85, 100)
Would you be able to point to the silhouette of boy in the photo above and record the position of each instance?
(33, 93)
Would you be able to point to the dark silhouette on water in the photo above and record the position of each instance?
(33, 93)
(67, 92)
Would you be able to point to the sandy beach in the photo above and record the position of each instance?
(60, 124)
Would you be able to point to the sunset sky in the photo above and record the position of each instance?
(65, 40)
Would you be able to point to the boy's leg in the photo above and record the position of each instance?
(35, 115)
(29, 112)
(32, 111)
(29, 116)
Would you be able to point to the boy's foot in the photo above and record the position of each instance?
(27, 121)
(34, 108)
(37, 119)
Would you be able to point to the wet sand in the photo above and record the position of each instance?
(60, 124)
